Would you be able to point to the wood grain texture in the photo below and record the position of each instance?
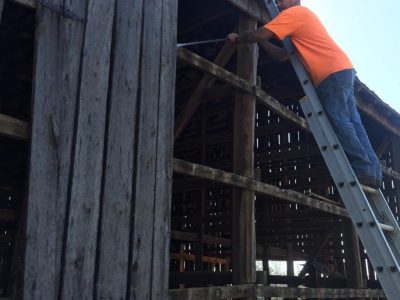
(146, 164)
(243, 219)
(165, 127)
(86, 177)
(145, 180)
(56, 80)
(224, 292)
(214, 293)
(101, 174)
(304, 293)
(113, 248)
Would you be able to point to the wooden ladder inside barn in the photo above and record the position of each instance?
(374, 222)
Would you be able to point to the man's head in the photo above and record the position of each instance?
(285, 4)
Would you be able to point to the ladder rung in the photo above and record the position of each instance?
(368, 189)
(385, 227)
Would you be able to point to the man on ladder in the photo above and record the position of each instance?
(332, 74)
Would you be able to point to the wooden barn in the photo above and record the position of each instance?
(133, 169)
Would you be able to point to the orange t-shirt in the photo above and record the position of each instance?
(320, 54)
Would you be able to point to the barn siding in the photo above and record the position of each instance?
(98, 220)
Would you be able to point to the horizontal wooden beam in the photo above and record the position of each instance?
(390, 172)
(13, 128)
(251, 290)
(214, 293)
(201, 171)
(206, 66)
(198, 278)
(26, 3)
(252, 8)
(323, 293)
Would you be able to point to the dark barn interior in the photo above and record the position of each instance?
(17, 40)
(225, 97)
(285, 156)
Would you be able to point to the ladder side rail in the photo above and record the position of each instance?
(382, 208)
(379, 249)
(361, 211)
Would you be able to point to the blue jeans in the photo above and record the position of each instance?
(336, 94)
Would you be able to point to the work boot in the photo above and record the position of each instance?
(369, 181)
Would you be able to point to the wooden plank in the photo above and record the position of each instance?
(252, 8)
(204, 65)
(214, 293)
(26, 3)
(150, 236)
(84, 202)
(323, 293)
(207, 81)
(201, 277)
(164, 149)
(200, 171)
(237, 291)
(142, 237)
(12, 127)
(1, 8)
(117, 195)
(56, 80)
(243, 220)
(390, 172)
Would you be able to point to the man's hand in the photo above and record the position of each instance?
(233, 37)
(252, 36)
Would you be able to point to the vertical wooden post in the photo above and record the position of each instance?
(1, 8)
(244, 244)
(200, 241)
(353, 266)
(290, 266)
(200, 231)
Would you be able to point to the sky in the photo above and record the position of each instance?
(368, 31)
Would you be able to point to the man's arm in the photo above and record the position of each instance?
(275, 52)
(261, 36)
(254, 36)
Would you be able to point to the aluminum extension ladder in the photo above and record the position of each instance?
(374, 222)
